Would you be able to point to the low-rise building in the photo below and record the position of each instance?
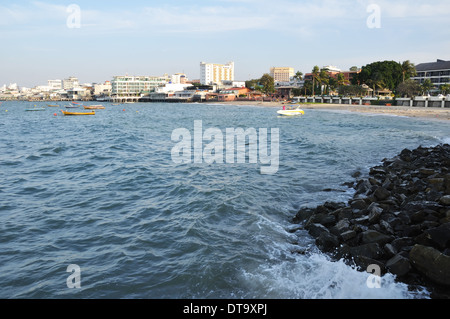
(134, 87)
(437, 72)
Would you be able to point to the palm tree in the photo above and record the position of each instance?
(408, 69)
(315, 76)
(376, 80)
(427, 85)
(445, 89)
(298, 75)
(341, 80)
(324, 79)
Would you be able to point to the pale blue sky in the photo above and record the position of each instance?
(157, 37)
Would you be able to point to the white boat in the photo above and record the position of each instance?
(291, 112)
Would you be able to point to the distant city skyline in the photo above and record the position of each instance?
(44, 41)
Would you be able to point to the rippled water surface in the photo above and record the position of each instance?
(103, 192)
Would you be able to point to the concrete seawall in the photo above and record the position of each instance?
(418, 101)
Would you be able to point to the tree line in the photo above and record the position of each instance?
(393, 76)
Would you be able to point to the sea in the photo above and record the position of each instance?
(139, 202)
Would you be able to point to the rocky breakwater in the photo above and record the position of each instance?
(398, 219)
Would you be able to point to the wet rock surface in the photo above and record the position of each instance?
(398, 218)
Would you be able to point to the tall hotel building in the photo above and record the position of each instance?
(281, 74)
(212, 73)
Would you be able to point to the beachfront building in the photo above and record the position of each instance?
(213, 73)
(178, 78)
(131, 88)
(70, 83)
(438, 72)
(55, 84)
(333, 72)
(282, 74)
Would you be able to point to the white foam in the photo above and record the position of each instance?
(316, 277)
(310, 274)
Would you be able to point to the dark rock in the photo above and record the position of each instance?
(363, 263)
(402, 242)
(386, 227)
(358, 204)
(440, 235)
(382, 193)
(344, 213)
(372, 250)
(374, 211)
(417, 217)
(347, 235)
(327, 241)
(333, 206)
(398, 265)
(390, 250)
(363, 187)
(433, 264)
(303, 215)
(316, 229)
(356, 174)
(405, 155)
(322, 218)
(445, 200)
(372, 236)
(427, 171)
(342, 225)
(436, 183)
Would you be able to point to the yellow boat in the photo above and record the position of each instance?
(93, 107)
(78, 113)
(52, 105)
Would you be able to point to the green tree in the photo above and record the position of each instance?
(376, 81)
(390, 73)
(307, 88)
(315, 77)
(324, 80)
(354, 68)
(267, 83)
(427, 85)
(298, 75)
(341, 81)
(445, 89)
(408, 70)
(408, 88)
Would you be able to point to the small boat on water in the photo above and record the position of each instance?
(93, 107)
(52, 105)
(291, 112)
(71, 106)
(35, 109)
(78, 113)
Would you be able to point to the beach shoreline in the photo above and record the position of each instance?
(434, 113)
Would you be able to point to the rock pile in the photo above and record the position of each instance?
(398, 218)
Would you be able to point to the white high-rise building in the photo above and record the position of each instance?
(70, 83)
(55, 84)
(212, 73)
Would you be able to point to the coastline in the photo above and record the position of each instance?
(434, 113)
(398, 220)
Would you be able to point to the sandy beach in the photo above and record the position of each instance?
(419, 112)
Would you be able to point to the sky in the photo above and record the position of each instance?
(96, 40)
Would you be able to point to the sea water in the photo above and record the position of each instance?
(103, 193)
